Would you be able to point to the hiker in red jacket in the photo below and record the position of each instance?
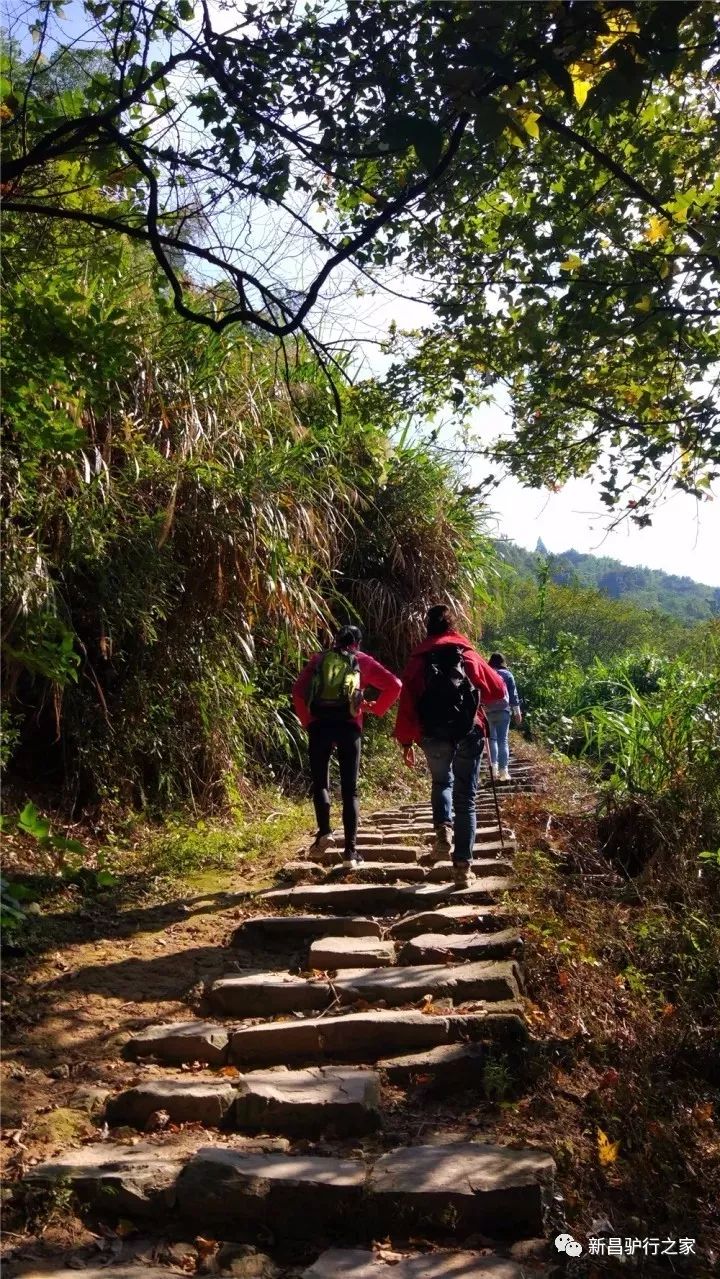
(444, 685)
(330, 695)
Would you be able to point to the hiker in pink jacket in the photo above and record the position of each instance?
(330, 697)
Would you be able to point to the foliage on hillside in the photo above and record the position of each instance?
(619, 887)
(642, 588)
(185, 515)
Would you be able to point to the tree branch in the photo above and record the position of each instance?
(633, 184)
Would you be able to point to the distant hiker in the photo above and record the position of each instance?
(444, 684)
(330, 695)
(498, 715)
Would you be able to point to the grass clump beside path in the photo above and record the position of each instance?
(624, 997)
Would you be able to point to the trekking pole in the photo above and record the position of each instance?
(494, 791)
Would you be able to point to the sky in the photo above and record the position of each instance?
(684, 537)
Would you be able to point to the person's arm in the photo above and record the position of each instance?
(512, 690)
(374, 675)
(301, 690)
(514, 699)
(407, 725)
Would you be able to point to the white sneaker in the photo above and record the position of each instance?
(350, 863)
(495, 771)
(504, 776)
(321, 843)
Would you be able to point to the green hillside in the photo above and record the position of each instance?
(648, 588)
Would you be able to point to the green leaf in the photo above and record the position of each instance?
(18, 892)
(31, 823)
(106, 879)
(185, 9)
(66, 845)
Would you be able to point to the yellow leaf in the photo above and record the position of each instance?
(607, 1150)
(622, 21)
(515, 135)
(657, 228)
(529, 120)
(581, 86)
(571, 263)
(644, 305)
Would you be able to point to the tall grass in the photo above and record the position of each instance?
(186, 517)
(657, 740)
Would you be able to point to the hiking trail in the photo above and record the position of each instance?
(313, 1080)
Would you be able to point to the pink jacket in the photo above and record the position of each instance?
(372, 675)
(479, 672)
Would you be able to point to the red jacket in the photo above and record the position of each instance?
(372, 675)
(482, 675)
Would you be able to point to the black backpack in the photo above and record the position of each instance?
(449, 702)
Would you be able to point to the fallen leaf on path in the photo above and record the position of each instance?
(608, 1150)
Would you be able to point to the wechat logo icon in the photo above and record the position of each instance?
(568, 1245)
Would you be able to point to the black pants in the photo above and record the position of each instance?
(346, 736)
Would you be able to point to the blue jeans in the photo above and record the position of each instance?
(454, 768)
(499, 725)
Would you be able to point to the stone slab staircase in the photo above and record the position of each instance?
(378, 980)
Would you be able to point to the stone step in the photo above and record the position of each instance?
(436, 948)
(425, 832)
(353, 1263)
(486, 828)
(441, 872)
(366, 1036)
(350, 1037)
(270, 993)
(294, 1102)
(233, 1194)
(495, 852)
(350, 952)
(296, 928)
(451, 919)
(390, 852)
(377, 898)
(376, 872)
(366, 835)
(309, 1101)
(184, 1099)
(453, 1066)
(176, 1043)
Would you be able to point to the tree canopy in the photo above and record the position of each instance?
(544, 173)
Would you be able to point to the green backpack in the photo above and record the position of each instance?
(335, 689)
